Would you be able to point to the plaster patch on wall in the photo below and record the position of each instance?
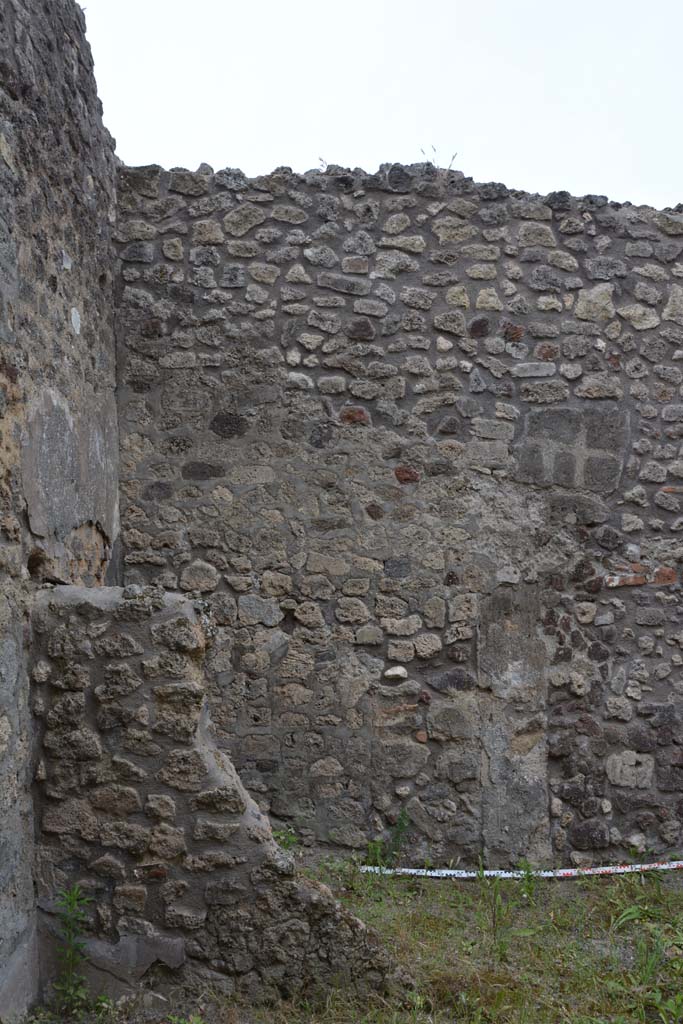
(69, 466)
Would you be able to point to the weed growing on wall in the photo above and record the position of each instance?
(287, 837)
(71, 992)
(385, 853)
(434, 158)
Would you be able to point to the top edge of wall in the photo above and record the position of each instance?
(421, 178)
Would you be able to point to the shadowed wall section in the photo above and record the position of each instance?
(137, 804)
(58, 433)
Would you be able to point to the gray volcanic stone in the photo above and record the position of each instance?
(243, 218)
(199, 576)
(253, 609)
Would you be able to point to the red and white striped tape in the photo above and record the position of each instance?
(608, 869)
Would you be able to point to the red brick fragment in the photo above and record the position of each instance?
(406, 475)
(421, 736)
(547, 351)
(513, 332)
(625, 581)
(355, 415)
(155, 871)
(665, 576)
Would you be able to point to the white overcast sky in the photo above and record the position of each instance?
(542, 95)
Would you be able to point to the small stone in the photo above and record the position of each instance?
(674, 307)
(604, 268)
(355, 265)
(158, 805)
(531, 234)
(345, 285)
(453, 229)
(199, 575)
(264, 273)
(488, 298)
(321, 256)
(533, 370)
(288, 214)
(300, 381)
(427, 645)
(457, 296)
(173, 249)
(308, 613)
(109, 867)
(370, 307)
(435, 613)
(253, 609)
(669, 223)
(297, 275)
(482, 272)
(596, 303)
(331, 385)
(5, 734)
(351, 609)
(642, 318)
(599, 385)
(370, 635)
(585, 612)
(207, 232)
(188, 183)
(243, 218)
(130, 897)
(545, 392)
(167, 842)
(452, 323)
(396, 223)
(402, 627)
(400, 650)
(405, 243)
(417, 298)
(326, 768)
(630, 769)
(396, 672)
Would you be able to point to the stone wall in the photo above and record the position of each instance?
(139, 807)
(58, 437)
(415, 442)
(401, 477)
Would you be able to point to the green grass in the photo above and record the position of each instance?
(594, 951)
